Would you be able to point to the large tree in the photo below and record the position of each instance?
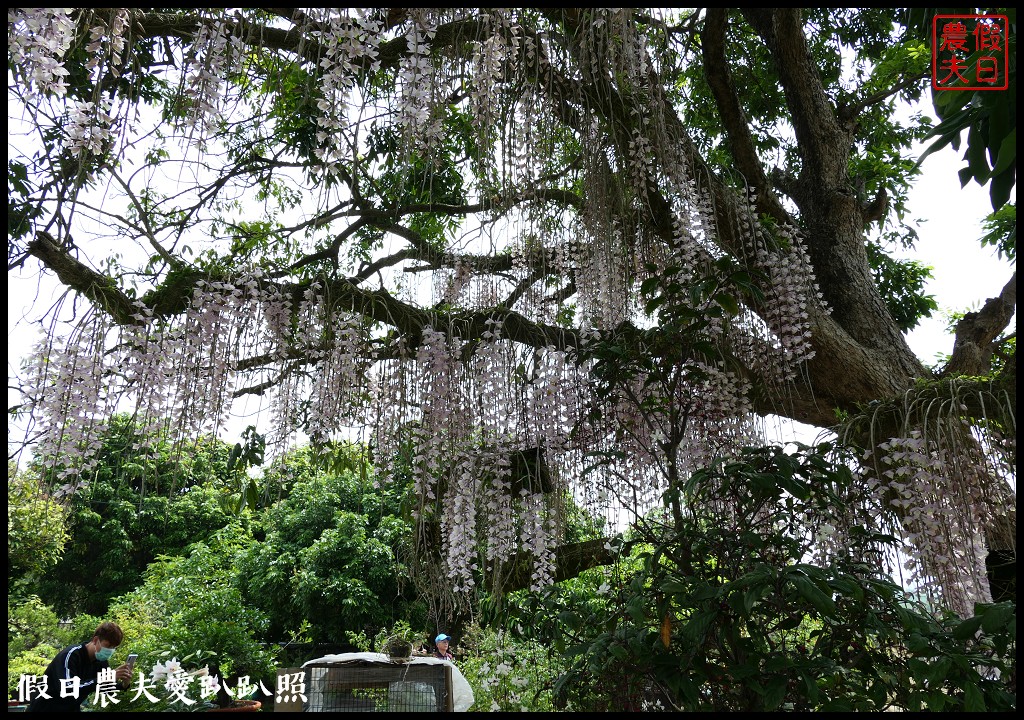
(521, 252)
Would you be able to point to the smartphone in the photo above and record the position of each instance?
(130, 662)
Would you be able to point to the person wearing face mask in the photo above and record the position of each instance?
(83, 661)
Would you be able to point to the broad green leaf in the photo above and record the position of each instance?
(967, 628)
(810, 592)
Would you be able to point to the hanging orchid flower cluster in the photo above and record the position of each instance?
(453, 410)
(37, 39)
(493, 59)
(177, 376)
(418, 102)
(68, 394)
(217, 51)
(945, 525)
(791, 289)
(348, 43)
(107, 43)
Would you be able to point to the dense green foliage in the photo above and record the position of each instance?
(36, 526)
(1001, 231)
(330, 552)
(35, 635)
(699, 615)
(882, 56)
(316, 564)
(191, 608)
(137, 505)
(732, 614)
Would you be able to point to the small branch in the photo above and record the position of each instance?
(523, 287)
(393, 259)
(737, 128)
(848, 113)
(146, 230)
(331, 251)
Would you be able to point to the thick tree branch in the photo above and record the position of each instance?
(829, 206)
(824, 144)
(380, 306)
(100, 289)
(976, 332)
(734, 121)
(570, 561)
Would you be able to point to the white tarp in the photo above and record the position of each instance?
(462, 693)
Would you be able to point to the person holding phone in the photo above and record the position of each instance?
(83, 661)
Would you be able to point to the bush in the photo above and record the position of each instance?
(190, 608)
(123, 519)
(508, 674)
(35, 636)
(330, 554)
(723, 609)
(36, 526)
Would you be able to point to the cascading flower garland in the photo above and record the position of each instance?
(452, 410)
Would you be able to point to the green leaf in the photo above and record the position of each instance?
(697, 625)
(653, 304)
(790, 622)
(675, 587)
(252, 494)
(649, 285)
(751, 596)
(810, 592)
(227, 504)
(847, 587)
(775, 692)
(728, 303)
(967, 628)
(812, 688)
(918, 668)
(918, 645)
(974, 701)
(617, 651)
(236, 453)
(976, 155)
(1007, 152)
(995, 617)
(1001, 187)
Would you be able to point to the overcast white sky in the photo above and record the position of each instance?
(965, 273)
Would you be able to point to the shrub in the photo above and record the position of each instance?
(725, 609)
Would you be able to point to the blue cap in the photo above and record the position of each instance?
(442, 637)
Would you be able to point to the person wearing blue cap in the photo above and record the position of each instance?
(441, 647)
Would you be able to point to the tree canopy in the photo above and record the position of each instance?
(139, 504)
(526, 255)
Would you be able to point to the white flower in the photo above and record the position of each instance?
(164, 670)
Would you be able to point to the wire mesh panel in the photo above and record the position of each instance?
(367, 686)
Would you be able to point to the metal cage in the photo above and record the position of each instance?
(369, 686)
